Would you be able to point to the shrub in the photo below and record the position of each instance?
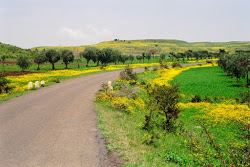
(245, 97)
(155, 68)
(167, 98)
(196, 99)
(3, 83)
(56, 80)
(145, 68)
(175, 64)
(128, 74)
(125, 91)
(207, 99)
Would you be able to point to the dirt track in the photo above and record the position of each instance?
(54, 126)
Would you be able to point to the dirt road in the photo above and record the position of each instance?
(54, 126)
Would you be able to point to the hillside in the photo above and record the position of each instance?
(161, 45)
(12, 51)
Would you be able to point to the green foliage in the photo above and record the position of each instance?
(236, 64)
(53, 56)
(131, 58)
(176, 64)
(23, 62)
(107, 56)
(11, 51)
(3, 83)
(90, 53)
(128, 74)
(40, 58)
(167, 98)
(148, 56)
(196, 99)
(67, 57)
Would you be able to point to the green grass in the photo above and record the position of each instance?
(209, 81)
(126, 136)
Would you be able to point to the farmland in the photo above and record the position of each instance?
(161, 45)
(134, 125)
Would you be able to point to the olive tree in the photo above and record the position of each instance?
(89, 54)
(23, 62)
(52, 56)
(67, 56)
(131, 58)
(40, 58)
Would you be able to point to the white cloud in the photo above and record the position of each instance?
(88, 34)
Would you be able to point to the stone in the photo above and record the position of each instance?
(30, 85)
(37, 84)
(110, 87)
(42, 82)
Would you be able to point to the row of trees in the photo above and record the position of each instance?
(52, 56)
(236, 65)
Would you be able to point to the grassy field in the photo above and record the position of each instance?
(211, 82)
(122, 119)
(161, 45)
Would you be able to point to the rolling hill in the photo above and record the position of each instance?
(161, 45)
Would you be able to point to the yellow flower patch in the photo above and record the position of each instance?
(221, 113)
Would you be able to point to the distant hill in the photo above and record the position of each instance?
(12, 51)
(161, 45)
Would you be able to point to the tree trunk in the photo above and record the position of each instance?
(87, 63)
(66, 66)
(38, 68)
(78, 66)
(53, 66)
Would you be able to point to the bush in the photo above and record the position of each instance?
(3, 84)
(167, 98)
(145, 68)
(207, 99)
(155, 68)
(128, 74)
(175, 64)
(196, 99)
(245, 97)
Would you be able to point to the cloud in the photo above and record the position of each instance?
(88, 34)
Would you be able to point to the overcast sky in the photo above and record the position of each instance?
(30, 23)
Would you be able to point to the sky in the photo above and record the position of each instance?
(31, 23)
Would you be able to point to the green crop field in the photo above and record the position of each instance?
(211, 82)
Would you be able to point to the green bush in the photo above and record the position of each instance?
(167, 98)
(176, 64)
(196, 99)
(128, 74)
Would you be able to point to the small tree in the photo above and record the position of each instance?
(131, 58)
(89, 54)
(3, 57)
(148, 56)
(152, 51)
(23, 62)
(107, 56)
(67, 57)
(52, 56)
(138, 57)
(40, 58)
(163, 56)
(167, 98)
(143, 56)
(78, 61)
